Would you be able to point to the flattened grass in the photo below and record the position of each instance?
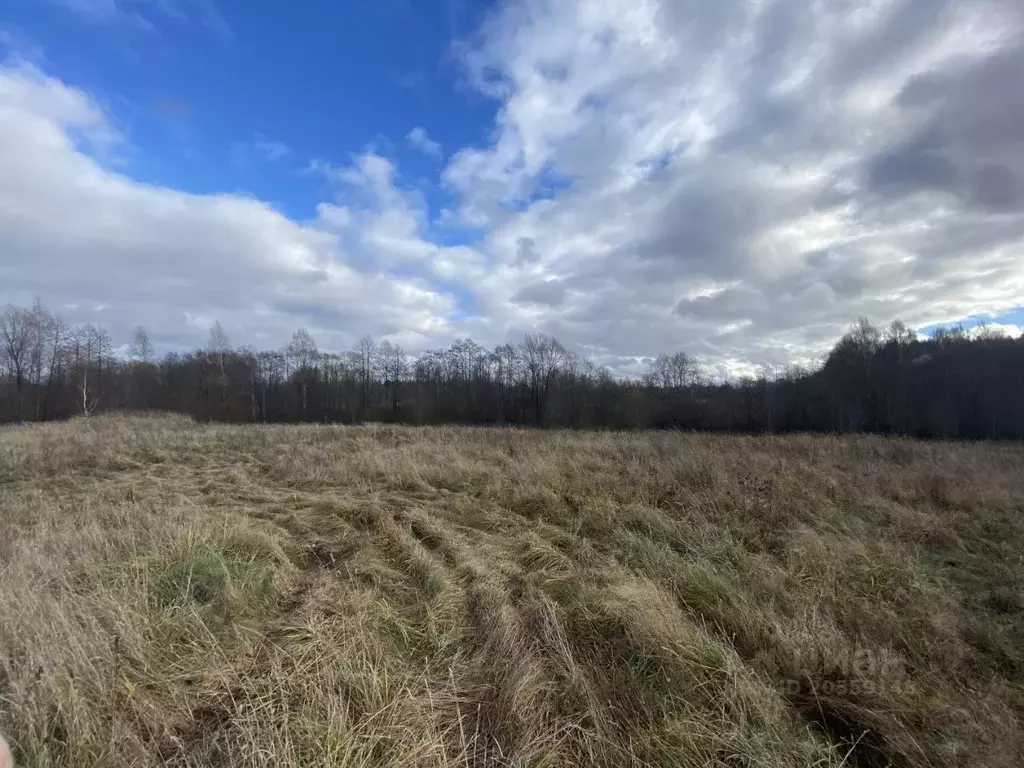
(191, 595)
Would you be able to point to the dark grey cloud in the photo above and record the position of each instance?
(734, 303)
(916, 166)
(897, 31)
(996, 187)
(526, 251)
(545, 292)
(965, 134)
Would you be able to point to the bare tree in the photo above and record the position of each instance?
(140, 353)
(219, 341)
(675, 371)
(38, 318)
(951, 384)
(541, 356)
(301, 354)
(57, 334)
(767, 378)
(141, 349)
(899, 334)
(15, 346)
(219, 346)
(394, 367)
(301, 350)
(364, 354)
(91, 351)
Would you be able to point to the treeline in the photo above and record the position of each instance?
(886, 381)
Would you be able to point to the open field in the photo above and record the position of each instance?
(190, 595)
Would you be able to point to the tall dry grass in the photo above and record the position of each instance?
(185, 595)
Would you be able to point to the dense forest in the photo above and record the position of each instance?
(874, 380)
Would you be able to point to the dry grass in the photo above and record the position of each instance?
(185, 595)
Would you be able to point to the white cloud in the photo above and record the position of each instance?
(418, 139)
(259, 150)
(740, 179)
(272, 151)
(82, 236)
(744, 179)
(146, 13)
(996, 329)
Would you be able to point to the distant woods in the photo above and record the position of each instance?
(887, 381)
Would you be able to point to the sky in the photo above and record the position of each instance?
(741, 180)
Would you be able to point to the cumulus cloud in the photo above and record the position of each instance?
(1008, 330)
(419, 139)
(740, 180)
(744, 179)
(100, 246)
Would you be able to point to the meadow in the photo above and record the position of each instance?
(183, 594)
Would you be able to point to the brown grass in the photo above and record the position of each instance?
(185, 595)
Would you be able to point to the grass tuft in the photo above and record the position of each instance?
(177, 594)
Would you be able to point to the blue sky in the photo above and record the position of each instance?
(244, 94)
(741, 180)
